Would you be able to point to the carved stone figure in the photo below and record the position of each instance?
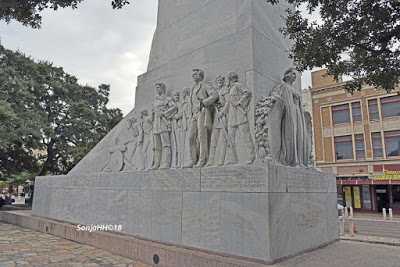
(219, 130)
(176, 130)
(116, 156)
(263, 112)
(238, 105)
(202, 98)
(133, 153)
(146, 128)
(185, 111)
(163, 107)
(289, 128)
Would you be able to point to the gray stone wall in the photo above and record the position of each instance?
(261, 211)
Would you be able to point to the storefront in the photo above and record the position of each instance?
(366, 195)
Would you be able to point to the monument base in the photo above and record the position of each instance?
(263, 212)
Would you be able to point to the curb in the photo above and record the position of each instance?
(371, 241)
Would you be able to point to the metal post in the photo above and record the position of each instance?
(351, 224)
(390, 214)
(341, 225)
(351, 212)
(384, 213)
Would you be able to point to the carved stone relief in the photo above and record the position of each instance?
(282, 132)
(202, 125)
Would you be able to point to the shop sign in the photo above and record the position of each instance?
(357, 202)
(388, 175)
(381, 191)
(347, 193)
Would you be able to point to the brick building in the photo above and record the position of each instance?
(357, 137)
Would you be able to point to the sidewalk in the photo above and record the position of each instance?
(24, 247)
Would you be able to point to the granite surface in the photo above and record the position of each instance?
(263, 212)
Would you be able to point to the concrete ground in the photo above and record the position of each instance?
(25, 247)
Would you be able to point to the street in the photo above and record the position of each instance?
(390, 229)
(379, 228)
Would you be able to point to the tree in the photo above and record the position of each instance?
(27, 11)
(358, 38)
(45, 109)
(16, 180)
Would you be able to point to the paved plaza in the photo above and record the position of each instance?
(25, 247)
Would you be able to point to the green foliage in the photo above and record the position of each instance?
(45, 109)
(20, 178)
(27, 11)
(358, 38)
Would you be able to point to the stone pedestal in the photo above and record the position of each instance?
(262, 212)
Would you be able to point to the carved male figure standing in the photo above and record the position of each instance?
(238, 106)
(202, 98)
(146, 138)
(162, 108)
(185, 113)
(219, 131)
(175, 118)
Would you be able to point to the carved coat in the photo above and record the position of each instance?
(292, 151)
(186, 113)
(163, 107)
(208, 96)
(223, 93)
(237, 115)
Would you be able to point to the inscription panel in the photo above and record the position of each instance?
(170, 180)
(235, 179)
(314, 221)
(303, 180)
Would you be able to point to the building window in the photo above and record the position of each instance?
(366, 197)
(373, 109)
(390, 106)
(392, 140)
(377, 145)
(340, 194)
(356, 107)
(360, 146)
(341, 114)
(344, 147)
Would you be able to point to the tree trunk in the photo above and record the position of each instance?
(48, 164)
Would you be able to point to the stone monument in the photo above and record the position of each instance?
(223, 164)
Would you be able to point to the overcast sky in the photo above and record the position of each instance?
(96, 44)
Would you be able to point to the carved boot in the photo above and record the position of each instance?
(210, 161)
(166, 158)
(193, 152)
(221, 161)
(157, 160)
